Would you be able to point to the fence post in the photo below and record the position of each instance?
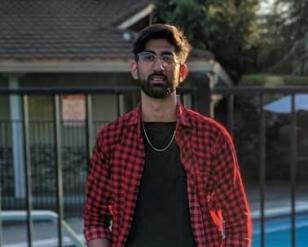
(28, 168)
(89, 127)
(1, 236)
(58, 163)
(202, 97)
(293, 169)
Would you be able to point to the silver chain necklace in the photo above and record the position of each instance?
(152, 146)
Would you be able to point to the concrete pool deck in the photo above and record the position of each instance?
(277, 197)
(277, 201)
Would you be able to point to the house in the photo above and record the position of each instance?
(79, 43)
(69, 43)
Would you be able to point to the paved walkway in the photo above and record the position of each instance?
(44, 233)
(277, 201)
(277, 195)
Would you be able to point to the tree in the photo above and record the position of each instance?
(295, 24)
(229, 29)
(285, 42)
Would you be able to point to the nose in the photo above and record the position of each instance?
(158, 64)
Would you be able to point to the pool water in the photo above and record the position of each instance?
(278, 232)
(283, 238)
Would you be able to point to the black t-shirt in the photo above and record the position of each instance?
(161, 217)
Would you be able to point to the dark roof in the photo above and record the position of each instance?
(65, 29)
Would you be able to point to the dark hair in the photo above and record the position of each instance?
(163, 31)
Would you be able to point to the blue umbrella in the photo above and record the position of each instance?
(283, 105)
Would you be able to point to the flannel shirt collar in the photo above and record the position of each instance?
(182, 116)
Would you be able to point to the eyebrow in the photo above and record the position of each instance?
(164, 52)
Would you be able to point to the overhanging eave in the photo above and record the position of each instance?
(82, 67)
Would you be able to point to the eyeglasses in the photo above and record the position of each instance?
(165, 59)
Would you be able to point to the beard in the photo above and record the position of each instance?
(157, 89)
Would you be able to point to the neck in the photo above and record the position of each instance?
(158, 110)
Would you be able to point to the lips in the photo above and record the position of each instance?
(158, 79)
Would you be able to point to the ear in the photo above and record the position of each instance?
(183, 72)
(134, 70)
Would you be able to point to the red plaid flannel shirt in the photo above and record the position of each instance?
(218, 207)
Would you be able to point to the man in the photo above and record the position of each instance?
(166, 176)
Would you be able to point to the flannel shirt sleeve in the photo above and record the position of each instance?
(95, 212)
(230, 195)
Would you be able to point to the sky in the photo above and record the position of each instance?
(265, 6)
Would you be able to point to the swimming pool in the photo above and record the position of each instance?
(278, 232)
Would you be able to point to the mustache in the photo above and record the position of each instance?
(157, 74)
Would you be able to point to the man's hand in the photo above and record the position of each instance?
(98, 243)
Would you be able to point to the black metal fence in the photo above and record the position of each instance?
(43, 162)
(55, 164)
(292, 152)
(54, 156)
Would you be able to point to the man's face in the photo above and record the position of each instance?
(157, 69)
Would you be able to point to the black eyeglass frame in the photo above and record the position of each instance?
(154, 56)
